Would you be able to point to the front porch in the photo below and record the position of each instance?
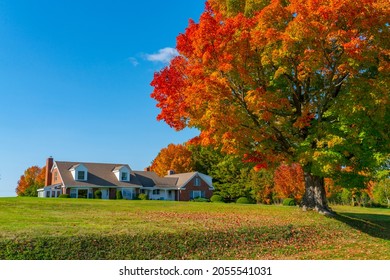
(101, 193)
(160, 194)
(50, 191)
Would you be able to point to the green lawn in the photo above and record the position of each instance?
(33, 228)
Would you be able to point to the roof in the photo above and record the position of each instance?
(103, 175)
(117, 168)
(184, 178)
(150, 179)
(99, 174)
(55, 186)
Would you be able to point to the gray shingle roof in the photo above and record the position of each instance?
(99, 174)
(184, 178)
(150, 179)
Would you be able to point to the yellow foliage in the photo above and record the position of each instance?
(335, 140)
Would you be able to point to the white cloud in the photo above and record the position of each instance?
(163, 55)
(133, 61)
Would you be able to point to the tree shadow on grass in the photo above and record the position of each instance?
(376, 225)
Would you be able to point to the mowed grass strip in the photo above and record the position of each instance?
(33, 228)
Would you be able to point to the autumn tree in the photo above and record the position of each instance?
(289, 181)
(32, 179)
(302, 81)
(174, 157)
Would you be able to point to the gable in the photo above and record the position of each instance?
(122, 173)
(183, 179)
(79, 172)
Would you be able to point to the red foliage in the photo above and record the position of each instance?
(289, 181)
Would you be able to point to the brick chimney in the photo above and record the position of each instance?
(48, 176)
(171, 172)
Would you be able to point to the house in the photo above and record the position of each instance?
(83, 179)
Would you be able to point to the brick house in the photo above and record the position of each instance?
(82, 180)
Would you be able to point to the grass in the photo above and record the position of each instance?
(33, 228)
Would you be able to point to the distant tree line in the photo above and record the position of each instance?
(234, 178)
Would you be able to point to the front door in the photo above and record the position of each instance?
(105, 194)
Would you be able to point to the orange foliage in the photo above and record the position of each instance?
(33, 176)
(266, 84)
(330, 188)
(289, 181)
(173, 157)
(223, 81)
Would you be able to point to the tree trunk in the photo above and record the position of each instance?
(315, 195)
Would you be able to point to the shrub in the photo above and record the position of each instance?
(216, 198)
(289, 202)
(373, 204)
(243, 200)
(143, 196)
(98, 194)
(64, 196)
(119, 194)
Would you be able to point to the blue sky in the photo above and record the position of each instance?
(75, 81)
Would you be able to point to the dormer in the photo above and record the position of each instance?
(122, 173)
(79, 172)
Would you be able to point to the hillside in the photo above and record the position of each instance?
(33, 228)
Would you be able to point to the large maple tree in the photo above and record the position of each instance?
(303, 81)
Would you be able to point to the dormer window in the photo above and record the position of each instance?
(122, 173)
(79, 172)
(124, 176)
(81, 175)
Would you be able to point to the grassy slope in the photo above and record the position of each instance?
(32, 228)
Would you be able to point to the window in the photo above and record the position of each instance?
(197, 194)
(83, 194)
(80, 175)
(124, 176)
(156, 191)
(55, 176)
(73, 193)
(197, 182)
(47, 193)
(79, 172)
(127, 193)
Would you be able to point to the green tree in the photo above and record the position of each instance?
(230, 174)
(261, 186)
(382, 192)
